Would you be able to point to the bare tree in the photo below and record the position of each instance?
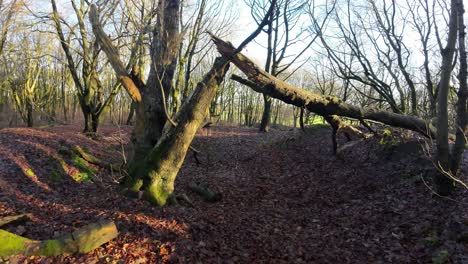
(283, 32)
(448, 159)
(7, 13)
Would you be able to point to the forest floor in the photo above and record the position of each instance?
(286, 199)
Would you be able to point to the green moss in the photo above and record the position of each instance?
(85, 149)
(50, 248)
(86, 171)
(136, 185)
(157, 192)
(387, 132)
(83, 165)
(83, 176)
(30, 173)
(11, 244)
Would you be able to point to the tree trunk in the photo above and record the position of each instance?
(91, 121)
(130, 114)
(150, 112)
(95, 122)
(156, 173)
(461, 108)
(443, 183)
(87, 121)
(266, 115)
(301, 119)
(148, 127)
(263, 82)
(29, 113)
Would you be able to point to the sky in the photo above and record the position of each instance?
(246, 24)
(244, 27)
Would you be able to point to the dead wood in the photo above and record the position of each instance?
(263, 82)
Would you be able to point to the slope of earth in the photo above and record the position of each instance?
(286, 199)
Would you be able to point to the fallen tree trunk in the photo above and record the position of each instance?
(82, 240)
(263, 82)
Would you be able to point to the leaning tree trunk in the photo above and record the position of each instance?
(156, 173)
(265, 83)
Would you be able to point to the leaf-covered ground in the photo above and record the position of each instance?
(286, 199)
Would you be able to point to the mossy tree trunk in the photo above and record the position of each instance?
(159, 154)
(82, 240)
(150, 112)
(155, 175)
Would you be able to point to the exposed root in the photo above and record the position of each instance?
(205, 193)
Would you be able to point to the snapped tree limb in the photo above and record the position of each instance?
(113, 56)
(265, 83)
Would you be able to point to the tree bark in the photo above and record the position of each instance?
(461, 108)
(266, 115)
(155, 174)
(150, 98)
(301, 119)
(131, 113)
(443, 183)
(29, 113)
(265, 83)
(150, 118)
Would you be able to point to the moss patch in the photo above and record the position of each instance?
(11, 244)
(50, 248)
(156, 192)
(86, 171)
(29, 173)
